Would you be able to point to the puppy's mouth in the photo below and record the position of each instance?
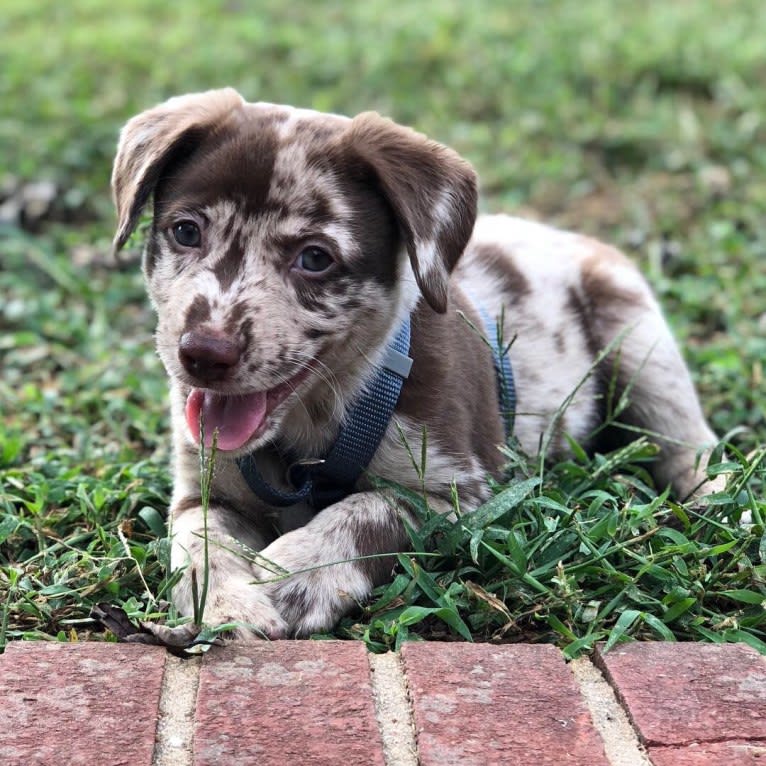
(237, 418)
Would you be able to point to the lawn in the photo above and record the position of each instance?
(641, 123)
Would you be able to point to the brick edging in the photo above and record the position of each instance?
(331, 702)
(174, 743)
(393, 709)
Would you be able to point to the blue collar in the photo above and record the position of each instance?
(326, 481)
(506, 387)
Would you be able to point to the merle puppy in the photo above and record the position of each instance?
(299, 263)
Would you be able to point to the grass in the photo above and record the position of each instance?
(640, 124)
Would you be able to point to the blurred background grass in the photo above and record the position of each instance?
(553, 100)
(644, 123)
(547, 97)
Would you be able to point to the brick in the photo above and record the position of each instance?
(710, 754)
(477, 705)
(287, 702)
(79, 704)
(678, 693)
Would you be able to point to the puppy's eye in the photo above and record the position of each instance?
(313, 260)
(187, 234)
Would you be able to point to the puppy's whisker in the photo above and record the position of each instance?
(326, 375)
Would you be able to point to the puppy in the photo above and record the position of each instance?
(296, 259)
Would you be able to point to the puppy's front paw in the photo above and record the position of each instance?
(316, 593)
(232, 593)
(248, 607)
(312, 604)
(240, 602)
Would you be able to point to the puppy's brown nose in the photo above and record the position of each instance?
(207, 356)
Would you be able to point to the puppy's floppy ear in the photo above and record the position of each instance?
(147, 142)
(432, 192)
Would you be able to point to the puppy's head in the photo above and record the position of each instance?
(282, 247)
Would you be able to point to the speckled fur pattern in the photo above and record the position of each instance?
(396, 212)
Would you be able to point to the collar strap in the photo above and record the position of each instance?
(322, 482)
(506, 387)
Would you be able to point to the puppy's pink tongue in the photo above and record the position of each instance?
(237, 418)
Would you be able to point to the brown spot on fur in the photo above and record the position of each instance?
(237, 312)
(318, 210)
(225, 270)
(499, 262)
(604, 304)
(603, 292)
(151, 253)
(599, 308)
(246, 329)
(229, 229)
(313, 131)
(276, 208)
(558, 339)
(187, 503)
(198, 312)
(294, 600)
(377, 540)
(311, 299)
(581, 312)
(462, 425)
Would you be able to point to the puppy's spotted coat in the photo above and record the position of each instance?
(286, 249)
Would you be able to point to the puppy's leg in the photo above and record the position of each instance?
(231, 595)
(649, 369)
(320, 591)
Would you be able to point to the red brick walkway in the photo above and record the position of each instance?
(301, 702)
